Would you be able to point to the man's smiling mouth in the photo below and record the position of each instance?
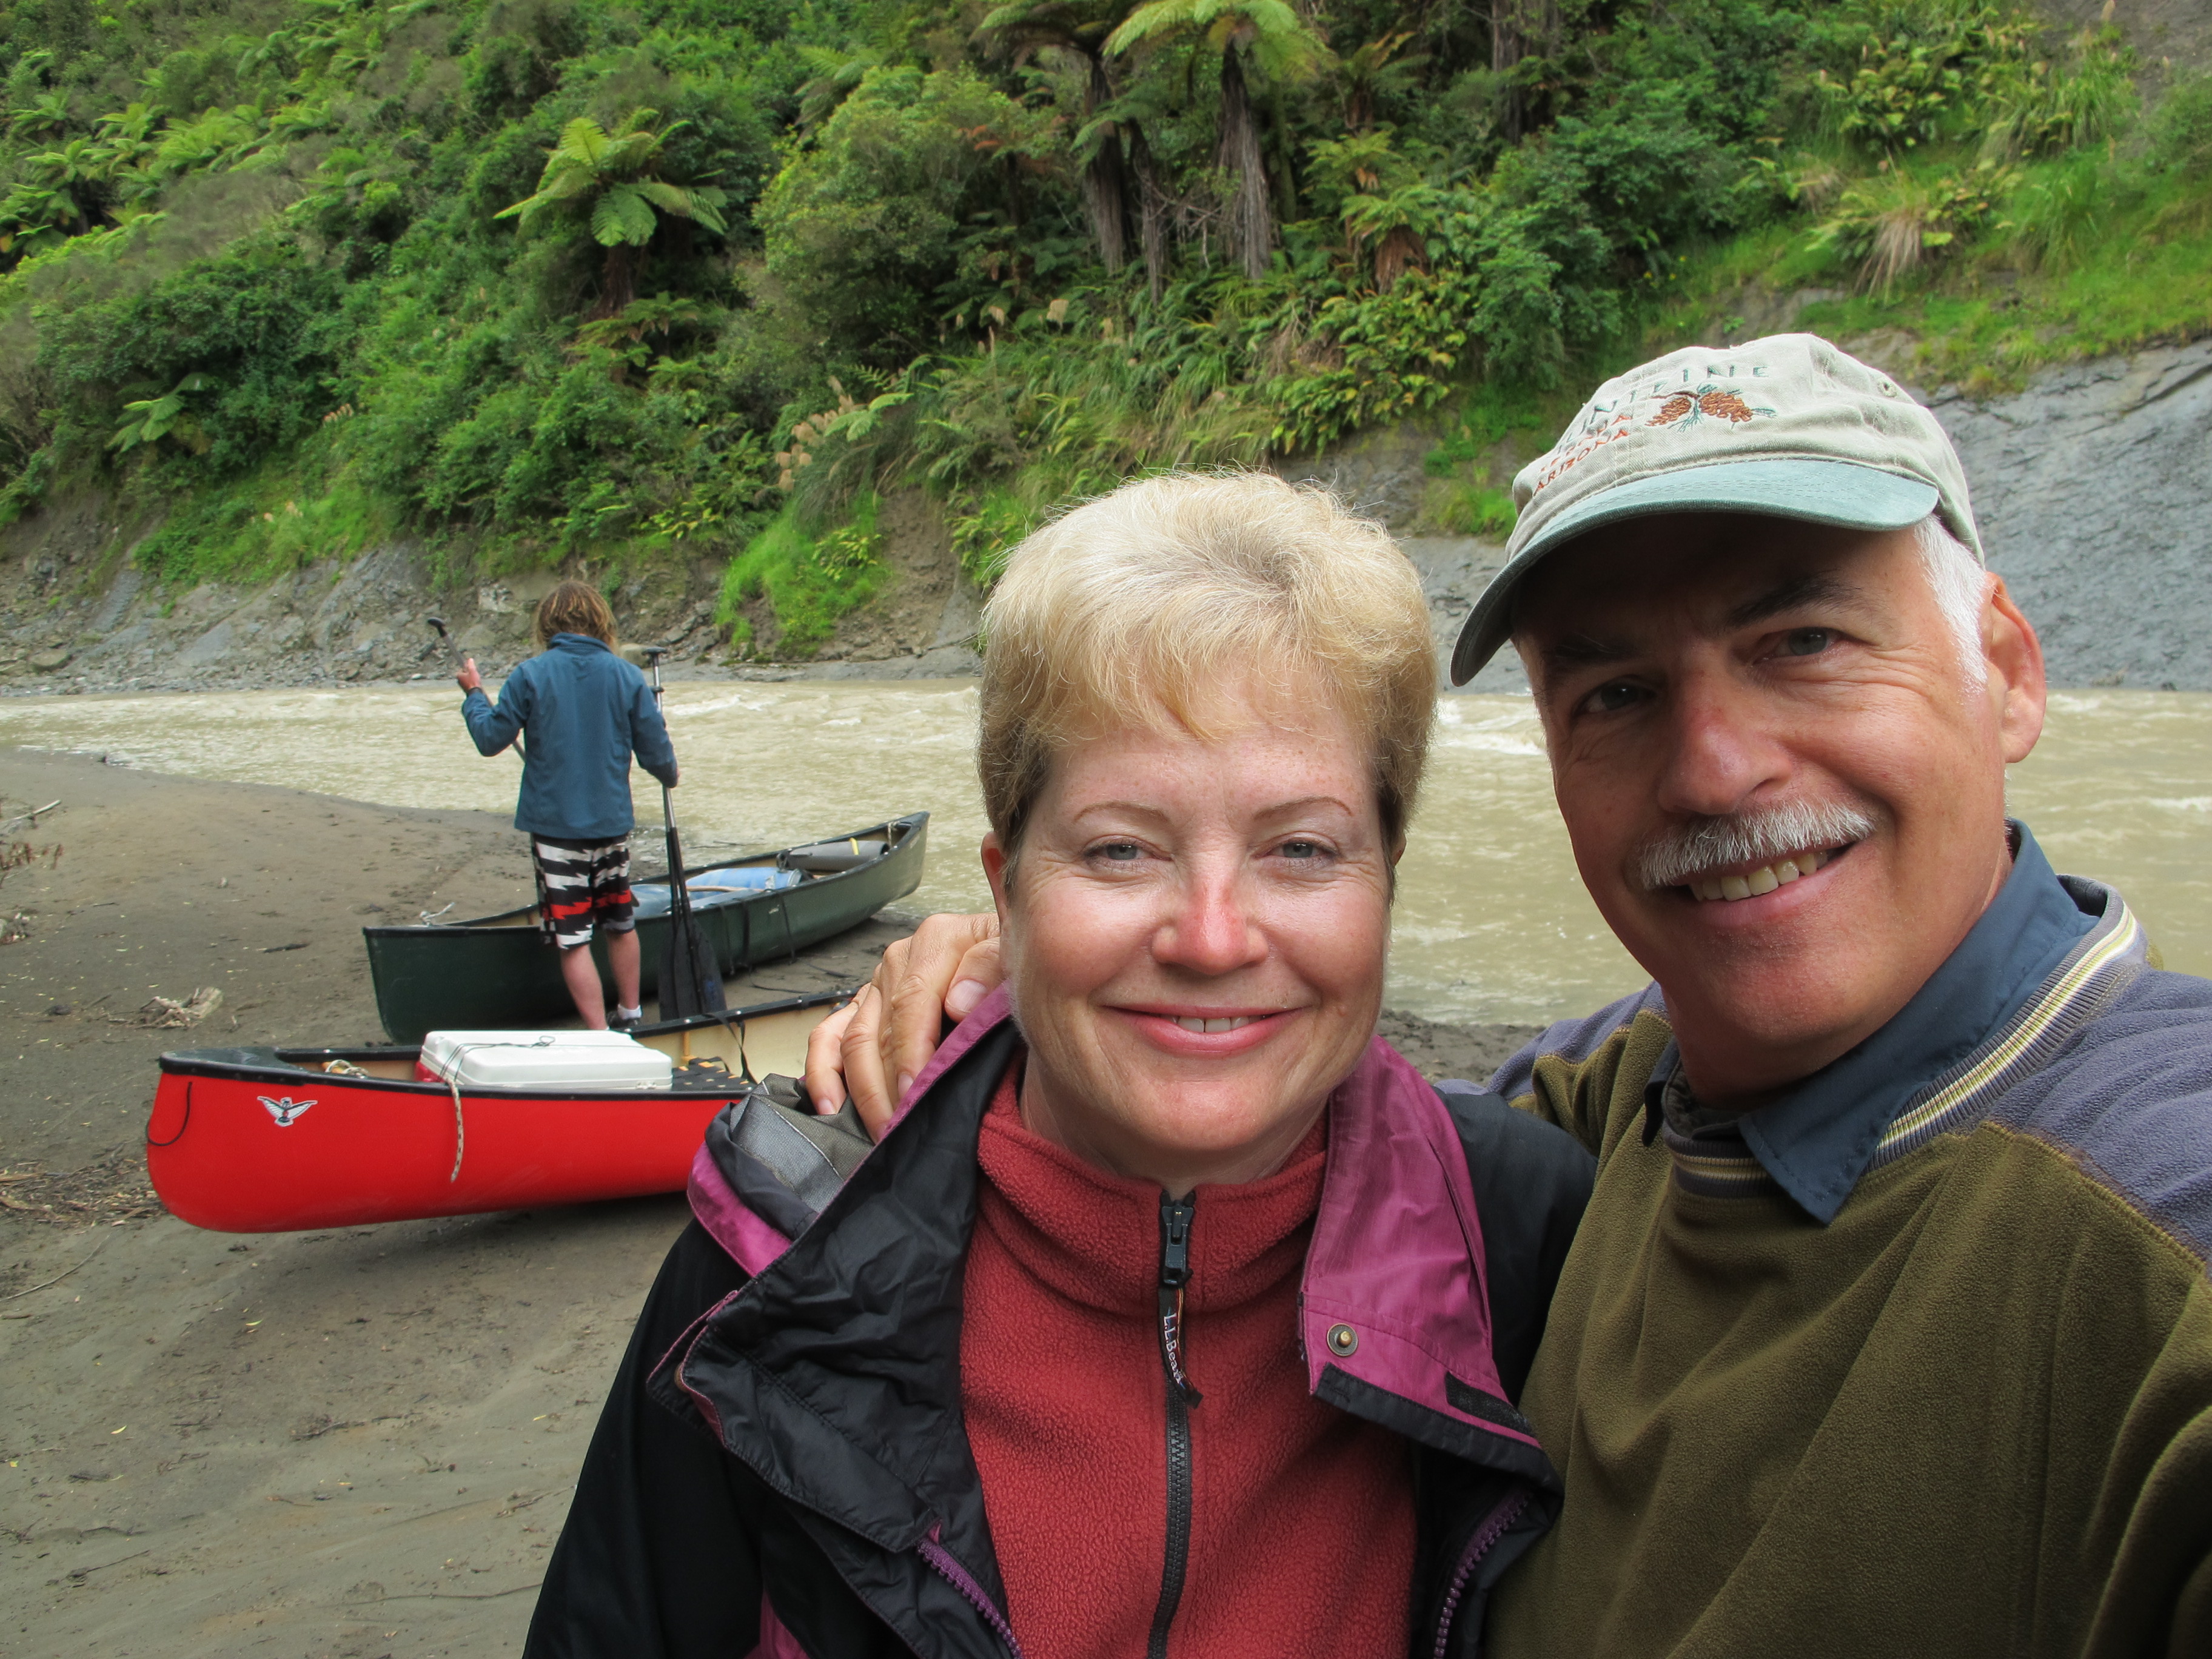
(1750, 853)
(1757, 883)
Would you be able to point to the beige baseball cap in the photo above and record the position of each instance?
(1788, 426)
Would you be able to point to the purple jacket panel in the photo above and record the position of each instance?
(1395, 1292)
(749, 1241)
(775, 1641)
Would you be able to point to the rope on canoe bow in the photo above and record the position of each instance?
(181, 1127)
(460, 1129)
(454, 1083)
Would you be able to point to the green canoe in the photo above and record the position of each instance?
(496, 972)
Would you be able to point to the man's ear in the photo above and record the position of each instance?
(2015, 664)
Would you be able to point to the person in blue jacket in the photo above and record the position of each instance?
(581, 712)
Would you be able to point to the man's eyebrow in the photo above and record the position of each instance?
(1815, 587)
(1582, 651)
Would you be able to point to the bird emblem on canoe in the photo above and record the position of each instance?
(287, 1110)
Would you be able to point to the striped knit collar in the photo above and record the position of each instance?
(2048, 956)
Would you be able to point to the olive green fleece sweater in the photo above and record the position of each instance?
(1971, 1415)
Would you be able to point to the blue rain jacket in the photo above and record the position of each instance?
(582, 711)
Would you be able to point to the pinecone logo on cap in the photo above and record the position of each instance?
(1708, 401)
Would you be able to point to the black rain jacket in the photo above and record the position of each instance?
(796, 1438)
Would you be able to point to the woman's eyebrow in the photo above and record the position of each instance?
(1292, 808)
(1814, 588)
(1133, 808)
(1148, 810)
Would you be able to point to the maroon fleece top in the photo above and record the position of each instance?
(1301, 1519)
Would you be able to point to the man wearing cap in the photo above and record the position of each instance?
(1887, 1329)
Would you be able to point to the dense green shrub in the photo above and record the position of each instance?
(261, 328)
(268, 266)
(867, 222)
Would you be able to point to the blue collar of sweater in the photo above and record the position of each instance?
(1816, 1141)
(578, 642)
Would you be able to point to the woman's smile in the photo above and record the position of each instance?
(1208, 1033)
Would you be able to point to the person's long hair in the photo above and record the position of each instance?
(574, 607)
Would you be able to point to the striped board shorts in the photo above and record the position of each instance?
(581, 883)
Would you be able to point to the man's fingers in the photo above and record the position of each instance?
(872, 1048)
(939, 952)
(862, 1054)
(826, 1061)
(932, 957)
(976, 977)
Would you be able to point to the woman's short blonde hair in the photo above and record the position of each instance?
(1173, 601)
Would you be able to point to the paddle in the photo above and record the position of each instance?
(688, 982)
(459, 657)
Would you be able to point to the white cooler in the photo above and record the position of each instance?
(542, 1060)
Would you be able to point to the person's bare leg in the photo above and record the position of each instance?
(623, 959)
(582, 975)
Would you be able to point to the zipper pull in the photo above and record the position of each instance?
(1175, 1214)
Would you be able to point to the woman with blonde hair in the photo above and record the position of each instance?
(1175, 1315)
(581, 712)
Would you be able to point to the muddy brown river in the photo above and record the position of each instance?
(1492, 923)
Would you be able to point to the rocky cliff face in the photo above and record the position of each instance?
(2093, 490)
(64, 628)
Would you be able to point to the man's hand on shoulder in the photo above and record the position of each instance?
(468, 679)
(875, 1046)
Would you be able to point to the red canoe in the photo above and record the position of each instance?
(264, 1140)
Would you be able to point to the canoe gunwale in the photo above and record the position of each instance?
(202, 1062)
(290, 1077)
(509, 921)
(475, 975)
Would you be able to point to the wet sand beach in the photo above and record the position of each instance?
(357, 1442)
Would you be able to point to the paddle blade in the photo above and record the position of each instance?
(689, 983)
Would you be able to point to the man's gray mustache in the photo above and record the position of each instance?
(1754, 837)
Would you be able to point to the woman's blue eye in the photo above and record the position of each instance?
(1120, 851)
(1808, 641)
(1302, 849)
